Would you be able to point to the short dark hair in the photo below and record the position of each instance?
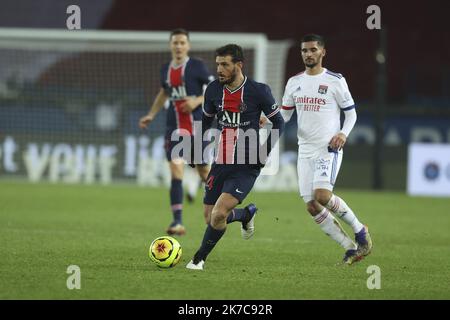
(233, 50)
(179, 31)
(313, 37)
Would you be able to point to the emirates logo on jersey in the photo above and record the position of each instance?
(310, 103)
(310, 100)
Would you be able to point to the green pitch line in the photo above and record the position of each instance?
(106, 231)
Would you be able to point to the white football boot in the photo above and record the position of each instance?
(199, 266)
(248, 228)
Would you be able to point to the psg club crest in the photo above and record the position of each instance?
(242, 107)
(323, 89)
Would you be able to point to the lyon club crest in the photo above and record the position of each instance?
(323, 89)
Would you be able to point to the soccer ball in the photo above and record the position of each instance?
(165, 252)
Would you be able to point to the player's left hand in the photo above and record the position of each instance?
(338, 141)
(188, 105)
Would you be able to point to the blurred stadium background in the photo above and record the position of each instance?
(69, 99)
(69, 106)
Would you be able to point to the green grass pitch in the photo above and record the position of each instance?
(106, 231)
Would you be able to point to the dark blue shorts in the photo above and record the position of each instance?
(237, 180)
(187, 152)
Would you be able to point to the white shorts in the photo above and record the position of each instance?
(318, 172)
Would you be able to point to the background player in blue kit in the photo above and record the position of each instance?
(237, 102)
(182, 82)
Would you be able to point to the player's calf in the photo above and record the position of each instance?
(329, 225)
(340, 208)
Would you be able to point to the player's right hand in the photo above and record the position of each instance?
(145, 121)
(338, 141)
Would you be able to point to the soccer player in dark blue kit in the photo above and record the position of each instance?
(182, 82)
(237, 102)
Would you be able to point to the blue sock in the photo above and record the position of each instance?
(211, 237)
(237, 215)
(176, 200)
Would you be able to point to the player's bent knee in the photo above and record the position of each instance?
(313, 207)
(322, 196)
(219, 214)
(218, 218)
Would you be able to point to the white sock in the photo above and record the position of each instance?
(343, 211)
(331, 227)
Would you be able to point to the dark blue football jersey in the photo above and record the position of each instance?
(180, 82)
(238, 113)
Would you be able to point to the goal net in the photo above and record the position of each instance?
(70, 100)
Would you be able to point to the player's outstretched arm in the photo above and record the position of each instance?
(155, 108)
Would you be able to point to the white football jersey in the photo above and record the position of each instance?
(318, 100)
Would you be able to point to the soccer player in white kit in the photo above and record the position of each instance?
(319, 95)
